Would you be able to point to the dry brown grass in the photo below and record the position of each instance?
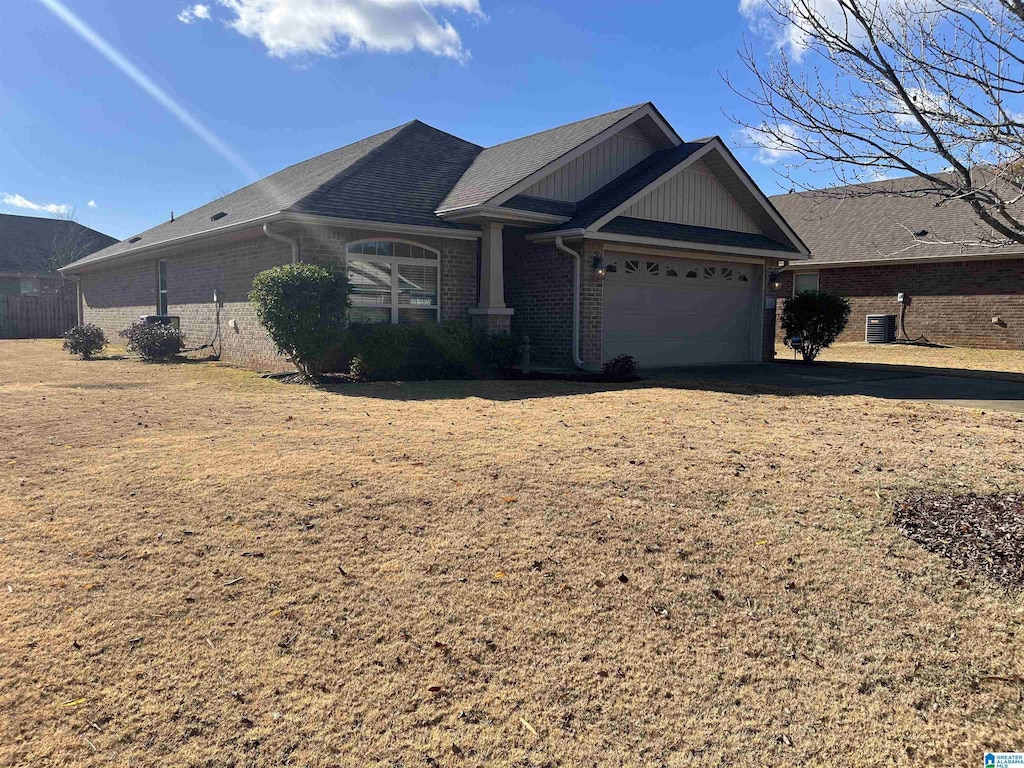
(1004, 360)
(199, 567)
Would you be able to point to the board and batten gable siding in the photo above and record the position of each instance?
(696, 197)
(594, 168)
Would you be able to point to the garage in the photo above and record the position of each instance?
(676, 311)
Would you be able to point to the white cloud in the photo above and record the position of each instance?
(193, 12)
(91, 203)
(17, 201)
(325, 27)
(774, 143)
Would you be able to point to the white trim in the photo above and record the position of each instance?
(296, 218)
(382, 226)
(647, 110)
(881, 262)
(803, 272)
(760, 196)
(163, 300)
(683, 244)
(514, 215)
(673, 171)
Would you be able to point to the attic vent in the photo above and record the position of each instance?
(218, 216)
(135, 240)
(921, 233)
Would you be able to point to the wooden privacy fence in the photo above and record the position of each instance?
(45, 316)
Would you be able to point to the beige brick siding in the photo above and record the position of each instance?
(114, 297)
(951, 303)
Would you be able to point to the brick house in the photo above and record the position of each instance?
(32, 247)
(605, 236)
(961, 287)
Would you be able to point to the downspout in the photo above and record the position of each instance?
(576, 289)
(281, 238)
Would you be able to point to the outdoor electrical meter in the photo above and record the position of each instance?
(901, 298)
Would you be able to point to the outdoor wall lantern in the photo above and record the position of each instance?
(599, 265)
(775, 279)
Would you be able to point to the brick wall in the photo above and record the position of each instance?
(951, 303)
(539, 286)
(115, 297)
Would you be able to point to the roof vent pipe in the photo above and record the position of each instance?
(281, 238)
(576, 288)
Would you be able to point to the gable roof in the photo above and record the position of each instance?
(500, 167)
(27, 243)
(689, 233)
(397, 176)
(876, 222)
(618, 191)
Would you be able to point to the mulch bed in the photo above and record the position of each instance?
(983, 534)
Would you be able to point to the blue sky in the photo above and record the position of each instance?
(75, 128)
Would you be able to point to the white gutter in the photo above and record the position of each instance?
(576, 289)
(283, 239)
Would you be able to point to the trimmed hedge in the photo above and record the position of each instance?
(154, 343)
(448, 350)
(813, 320)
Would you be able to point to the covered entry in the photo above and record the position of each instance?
(676, 311)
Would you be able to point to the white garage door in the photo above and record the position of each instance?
(666, 312)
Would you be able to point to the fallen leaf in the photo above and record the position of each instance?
(529, 727)
(510, 499)
(500, 574)
(74, 703)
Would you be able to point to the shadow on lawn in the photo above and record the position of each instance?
(890, 382)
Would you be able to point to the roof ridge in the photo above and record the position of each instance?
(629, 109)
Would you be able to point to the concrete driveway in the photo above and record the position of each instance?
(993, 391)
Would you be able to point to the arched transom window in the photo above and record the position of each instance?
(393, 281)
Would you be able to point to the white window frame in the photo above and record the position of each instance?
(394, 262)
(797, 275)
(162, 304)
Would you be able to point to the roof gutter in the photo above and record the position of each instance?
(576, 290)
(950, 258)
(283, 239)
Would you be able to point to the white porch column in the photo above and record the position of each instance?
(492, 270)
(492, 314)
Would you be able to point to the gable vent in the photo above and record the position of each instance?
(135, 240)
(218, 216)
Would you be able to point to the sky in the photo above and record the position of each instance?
(124, 111)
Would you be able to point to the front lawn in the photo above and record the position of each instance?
(958, 358)
(200, 567)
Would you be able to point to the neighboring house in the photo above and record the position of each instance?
(35, 300)
(609, 235)
(871, 244)
(31, 250)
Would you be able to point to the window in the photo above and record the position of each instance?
(29, 286)
(807, 281)
(393, 281)
(692, 274)
(611, 267)
(726, 273)
(161, 287)
(709, 273)
(653, 268)
(631, 266)
(744, 278)
(671, 272)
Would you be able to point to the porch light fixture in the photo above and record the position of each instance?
(598, 264)
(775, 280)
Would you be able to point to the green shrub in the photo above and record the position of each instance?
(304, 308)
(381, 350)
(155, 343)
(813, 320)
(500, 351)
(450, 349)
(85, 340)
(621, 367)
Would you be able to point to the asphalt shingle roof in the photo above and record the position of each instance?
(843, 224)
(624, 225)
(27, 242)
(403, 192)
(500, 167)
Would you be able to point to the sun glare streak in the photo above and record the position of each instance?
(165, 100)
